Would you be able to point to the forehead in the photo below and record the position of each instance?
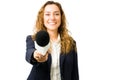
(52, 8)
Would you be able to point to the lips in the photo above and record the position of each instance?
(52, 23)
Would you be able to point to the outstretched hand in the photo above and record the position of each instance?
(39, 57)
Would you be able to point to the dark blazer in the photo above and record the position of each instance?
(41, 71)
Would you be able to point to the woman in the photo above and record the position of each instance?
(60, 61)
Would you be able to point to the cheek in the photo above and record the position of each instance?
(45, 18)
(45, 21)
(45, 24)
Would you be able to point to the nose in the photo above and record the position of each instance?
(52, 16)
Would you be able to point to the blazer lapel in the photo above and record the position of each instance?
(62, 58)
(49, 61)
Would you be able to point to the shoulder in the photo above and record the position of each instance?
(29, 37)
(73, 42)
(72, 39)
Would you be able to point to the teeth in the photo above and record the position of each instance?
(51, 23)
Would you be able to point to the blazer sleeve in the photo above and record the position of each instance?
(30, 48)
(75, 75)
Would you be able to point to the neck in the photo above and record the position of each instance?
(53, 35)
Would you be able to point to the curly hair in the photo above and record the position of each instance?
(67, 42)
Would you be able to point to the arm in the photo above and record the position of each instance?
(30, 48)
(32, 55)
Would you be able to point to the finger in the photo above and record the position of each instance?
(42, 59)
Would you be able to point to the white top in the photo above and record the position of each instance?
(55, 66)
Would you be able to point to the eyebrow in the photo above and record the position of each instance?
(53, 11)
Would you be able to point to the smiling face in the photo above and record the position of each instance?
(52, 17)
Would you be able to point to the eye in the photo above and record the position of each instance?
(57, 14)
(47, 14)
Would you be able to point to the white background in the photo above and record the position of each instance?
(94, 24)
